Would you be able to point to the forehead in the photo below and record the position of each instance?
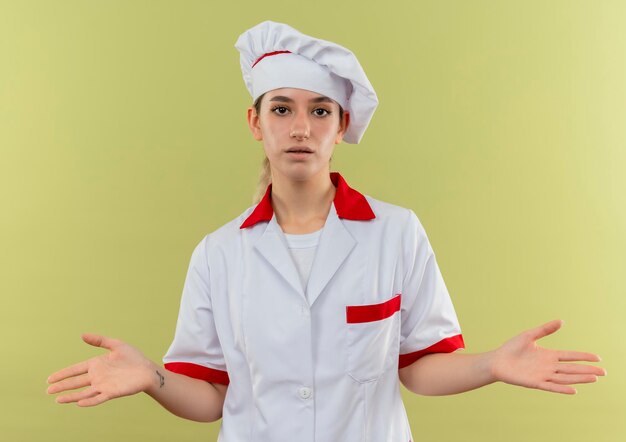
(291, 95)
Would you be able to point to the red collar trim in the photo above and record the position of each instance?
(349, 203)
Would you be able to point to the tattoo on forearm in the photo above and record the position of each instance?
(161, 379)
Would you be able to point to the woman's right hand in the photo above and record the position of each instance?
(121, 372)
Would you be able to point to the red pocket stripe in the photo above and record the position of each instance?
(372, 312)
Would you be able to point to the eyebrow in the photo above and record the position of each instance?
(312, 100)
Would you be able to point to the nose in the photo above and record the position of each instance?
(300, 126)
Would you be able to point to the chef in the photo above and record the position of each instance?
(300, 318)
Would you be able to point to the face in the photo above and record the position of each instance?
(299, 130)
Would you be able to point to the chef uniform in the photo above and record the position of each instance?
(309, 331)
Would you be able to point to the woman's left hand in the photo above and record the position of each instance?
(520, 361)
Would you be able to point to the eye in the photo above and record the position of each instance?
(282, 110)
(323, 113)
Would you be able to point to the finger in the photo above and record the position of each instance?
(567, 379)
(77, 396)
(580, 369)
(546, 329)
(72, 370)
(70, 384)
(578, 356)
(99, 341)
(94, 400)
(556, 388)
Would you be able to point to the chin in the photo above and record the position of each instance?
(300, 173)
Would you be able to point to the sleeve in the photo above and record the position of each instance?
(429, 322)
(196, 350)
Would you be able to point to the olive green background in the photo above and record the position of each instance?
(123, 142)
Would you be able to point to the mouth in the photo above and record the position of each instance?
(299, 149)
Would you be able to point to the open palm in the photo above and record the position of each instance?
(520, 361)
(122, 371)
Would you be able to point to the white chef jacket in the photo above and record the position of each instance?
(324, 370)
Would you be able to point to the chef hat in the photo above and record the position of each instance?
(275, 55)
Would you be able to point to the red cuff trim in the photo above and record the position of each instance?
(372, 312)
(447, 345)
(199, 372)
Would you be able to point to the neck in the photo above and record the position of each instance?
(302, 206)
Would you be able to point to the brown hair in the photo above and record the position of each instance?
(265, 175)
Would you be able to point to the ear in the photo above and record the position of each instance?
(343, 127)
(254, 123)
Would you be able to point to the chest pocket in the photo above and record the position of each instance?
(373, 333)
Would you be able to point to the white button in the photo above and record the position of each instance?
(305, 392)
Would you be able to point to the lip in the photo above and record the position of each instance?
(299, 156)
(299, 149)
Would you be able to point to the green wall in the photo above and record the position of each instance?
(123, 142)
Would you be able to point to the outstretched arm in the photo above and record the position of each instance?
(125, 371)
(519, 361)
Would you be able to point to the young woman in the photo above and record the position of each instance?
(300, 317)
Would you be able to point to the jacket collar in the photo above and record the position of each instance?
(349, 203)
